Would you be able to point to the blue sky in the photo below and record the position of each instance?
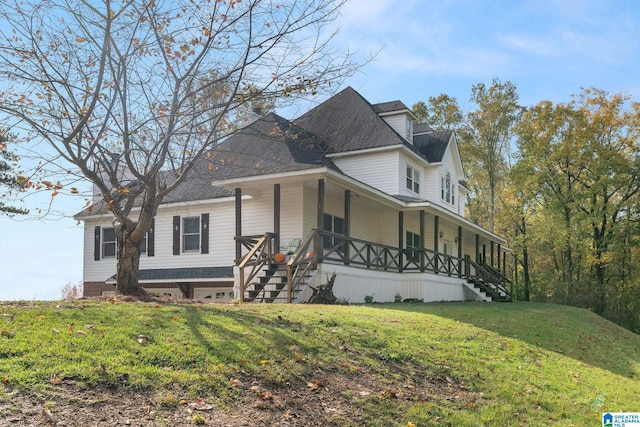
(548, 49)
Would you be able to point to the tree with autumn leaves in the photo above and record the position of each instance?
(132, 94)
(567, 191)
(581, 161)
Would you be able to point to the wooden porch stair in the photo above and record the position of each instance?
(263, 280)
(488, 282)
(271, 286)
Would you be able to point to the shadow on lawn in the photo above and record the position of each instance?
(246, 338)
(572, 332)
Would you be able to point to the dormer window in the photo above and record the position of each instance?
(408, 129)
(413, 180)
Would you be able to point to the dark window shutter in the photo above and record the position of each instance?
(96, 243)
(204, 234)
(176, 235)
(151, 239)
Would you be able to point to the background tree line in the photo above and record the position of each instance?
(560, 182)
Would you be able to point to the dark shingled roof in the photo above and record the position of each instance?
(269, 145)
(348, 122)
(433, 145)
(184, 273)
(421, 128)
(388, 107)
(197, 186)
(345, 122)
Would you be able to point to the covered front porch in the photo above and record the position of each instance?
(337, 221)
(266, 275)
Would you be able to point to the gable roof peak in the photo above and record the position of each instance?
(347, 122)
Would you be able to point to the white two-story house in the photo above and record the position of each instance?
(350, 188)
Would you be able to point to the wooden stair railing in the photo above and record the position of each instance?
(489, 280)
(504, 280)
(258, 256)
(302, 262)
(260, 259)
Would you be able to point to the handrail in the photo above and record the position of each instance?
(496, 272)
(370, 255)
(492, 280)
(260, 254)
(322, 246)
(301, 262)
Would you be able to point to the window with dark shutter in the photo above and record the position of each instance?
(96, 243)
(176, 235)
(151, 241)
(204, 234)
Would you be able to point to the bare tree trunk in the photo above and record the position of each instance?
(128, 262)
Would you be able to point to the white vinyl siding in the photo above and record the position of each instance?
(291, 209)
(221, 242)
(379, 170)
(401, 123)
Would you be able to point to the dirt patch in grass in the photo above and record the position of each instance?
(336, 400)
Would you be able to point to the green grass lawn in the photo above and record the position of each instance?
(457, 364)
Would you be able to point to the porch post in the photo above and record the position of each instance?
(238, 224)
(423, 216)
(320, 221)
(515, 275)
(400, 241)
(492, 260)
(276, 217)
(484, 253)
(499, 256)
(238, 242)
(504, 263)
(477, 249)
(436, 236)
(459, 251)
(347, 226)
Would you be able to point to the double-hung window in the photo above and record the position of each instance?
(447, 187)
(447, 191)
(413, 179)
(191, 234)
(332, 224)
(413, 246)
(108, 242)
